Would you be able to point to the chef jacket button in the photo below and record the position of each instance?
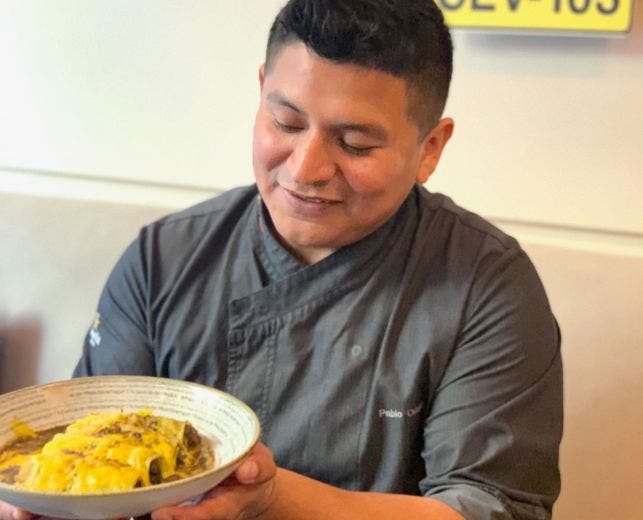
(236, 337)
(254, 340)
(263, 308)
(356, 351)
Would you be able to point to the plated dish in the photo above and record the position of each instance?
(227, 428)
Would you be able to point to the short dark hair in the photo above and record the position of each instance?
(406, 38)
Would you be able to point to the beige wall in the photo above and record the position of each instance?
(598, 300)
(56, 254)
(118, 112)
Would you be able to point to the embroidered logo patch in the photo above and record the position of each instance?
(94, 333)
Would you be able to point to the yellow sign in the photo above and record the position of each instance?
(558, 15)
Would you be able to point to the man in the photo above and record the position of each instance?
(399, 351)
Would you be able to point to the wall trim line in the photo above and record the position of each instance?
(49, 183)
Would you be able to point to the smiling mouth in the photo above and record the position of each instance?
(311, 200)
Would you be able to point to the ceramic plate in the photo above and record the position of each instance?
(229, 424)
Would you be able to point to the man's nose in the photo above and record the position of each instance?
(310, 161)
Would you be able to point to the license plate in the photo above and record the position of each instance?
(557, 15)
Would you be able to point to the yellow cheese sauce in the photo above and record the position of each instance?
(104, 452)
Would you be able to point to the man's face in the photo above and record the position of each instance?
(335, 153)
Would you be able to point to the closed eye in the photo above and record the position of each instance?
(289, 129)
(356, 150)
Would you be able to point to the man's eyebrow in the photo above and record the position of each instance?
(280, 99)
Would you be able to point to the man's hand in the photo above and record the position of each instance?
(246, 494)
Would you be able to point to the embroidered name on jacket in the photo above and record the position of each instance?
(394, 413)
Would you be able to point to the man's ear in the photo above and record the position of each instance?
(262, 75)
(433, 146)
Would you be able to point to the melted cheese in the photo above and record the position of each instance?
(106, 452)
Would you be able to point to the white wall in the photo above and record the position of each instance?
(115, 112)
(161, 92)
(549, 129)
(153, 91)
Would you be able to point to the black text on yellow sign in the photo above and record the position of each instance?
(559, 15)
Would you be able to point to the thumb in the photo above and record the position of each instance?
(258, 467)
(9, 512)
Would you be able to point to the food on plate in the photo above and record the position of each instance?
(104, 452)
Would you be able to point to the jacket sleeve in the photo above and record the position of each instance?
(492, 436)
(118, 339)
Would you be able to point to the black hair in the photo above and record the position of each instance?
(406, 38)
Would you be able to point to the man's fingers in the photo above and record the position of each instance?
(248, 491)
(224, 507)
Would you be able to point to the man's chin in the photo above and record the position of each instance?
(309, 241)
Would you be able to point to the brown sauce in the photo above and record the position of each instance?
(27, 445)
